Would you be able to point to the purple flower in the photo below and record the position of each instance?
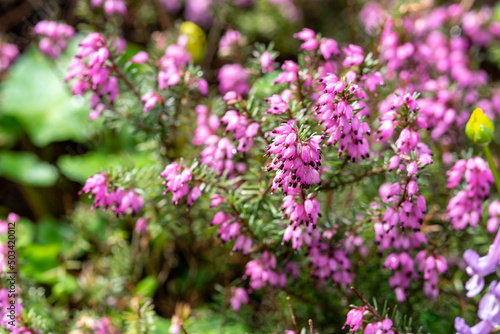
(479, 267)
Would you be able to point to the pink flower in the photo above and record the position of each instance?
(141, 226)
(354, 55)
(354, 319)
(328, 48)
(140, 57)
(56, 38)
(150, 99)
(266, 62)
(239, 297)
(309, 38)
(231, 42)
(233, 77)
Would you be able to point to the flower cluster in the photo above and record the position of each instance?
(417, 52)
(55, 39)
(404, 271)
(296, 160)
(121, 201)
(230, 229)
(239, 296)
(243, 131)
(431, 265)
(177, 180)
(262, 271)
(329, 263)
(466, 207)
(338, 113)
(95, 73)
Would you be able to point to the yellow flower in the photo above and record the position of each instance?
(479, 128)
(197, 41)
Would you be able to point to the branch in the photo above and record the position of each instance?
(355, 179)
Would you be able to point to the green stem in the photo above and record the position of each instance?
(487, 153)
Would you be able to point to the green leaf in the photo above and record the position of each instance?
(35, 94)
(26, 168)
(147, 287)
(36, 260)
(66, 285)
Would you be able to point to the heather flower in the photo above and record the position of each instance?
(219, 155)
(354, 319)
(239, 297)
(340, 118)
(309, 38)
(8, 53)
(150, 99)
(199, 12)
(466, 207)
(230, 43)
(177, 180)
(402, 265)
(233, 77)
(290, 73)
(431, 265)
(207, 123)
(328, 48)
(243, 131)
(56, 36)
(141, 226)
(111, 7)
(261, 271)
(94, 73)
(266, 62)
(140, 57)
(354, 55)
(384, 326)
(296, 161)
(494, 214)
(121, 201)
(172, 63)
(329, 263)
(279, 103)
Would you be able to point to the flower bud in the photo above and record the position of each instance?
(480, 128)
